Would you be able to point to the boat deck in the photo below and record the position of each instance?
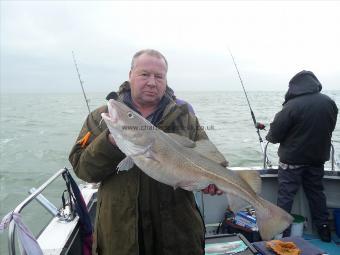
(332, 248)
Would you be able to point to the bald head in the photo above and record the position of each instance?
(149, 52)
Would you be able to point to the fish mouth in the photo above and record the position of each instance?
(113, 113)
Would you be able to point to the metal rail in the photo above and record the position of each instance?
(22, 205)
(265, 156)
(332, 157)
(45, 203)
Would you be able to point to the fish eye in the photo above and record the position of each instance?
(130, 115)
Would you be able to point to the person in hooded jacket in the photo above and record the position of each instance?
(135, 213)
(304, 129)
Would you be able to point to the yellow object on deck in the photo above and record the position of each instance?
(283, 248)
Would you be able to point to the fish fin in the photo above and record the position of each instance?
(235, 203)
(132, 149)
(193, 185)
(182, 140)
(186, 186)
(150, 154)
(271, 219)
(207, 149)
(126, 164)
(252, 178)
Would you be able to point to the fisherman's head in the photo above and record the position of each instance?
(306, 78)
(148, 77)
(304, 82)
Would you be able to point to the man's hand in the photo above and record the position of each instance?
(212, 190)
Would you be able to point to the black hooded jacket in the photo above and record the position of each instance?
(305, 124)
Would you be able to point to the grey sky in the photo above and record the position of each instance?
(271, 41)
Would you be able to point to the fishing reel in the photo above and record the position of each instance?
(67, 212)
(260, 126)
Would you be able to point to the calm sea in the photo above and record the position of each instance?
(37, 132)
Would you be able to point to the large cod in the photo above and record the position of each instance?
(181, 163)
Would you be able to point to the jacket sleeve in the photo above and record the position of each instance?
(98, 158)
(335, 109)
(281, 125)
(200, 133)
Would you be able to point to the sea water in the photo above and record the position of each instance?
(37, 132)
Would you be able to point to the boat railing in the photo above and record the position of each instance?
(332, 157)
(23, 204)
(265, 166)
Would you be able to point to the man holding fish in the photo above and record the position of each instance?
(145, 204)
(136, 214)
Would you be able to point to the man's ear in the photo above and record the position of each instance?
(130, 75)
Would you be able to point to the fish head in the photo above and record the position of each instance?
(129, 129)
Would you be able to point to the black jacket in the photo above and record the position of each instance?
(305, 124)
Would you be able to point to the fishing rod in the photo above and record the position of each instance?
(259, 126)
(81, 82)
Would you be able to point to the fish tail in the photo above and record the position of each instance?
(271, 219)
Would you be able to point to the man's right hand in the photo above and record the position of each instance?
(212, 190)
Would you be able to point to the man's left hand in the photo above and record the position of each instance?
(212, 190)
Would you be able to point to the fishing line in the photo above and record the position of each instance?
(256, 124)
(81, 82)
(259, 126)
(84, 94)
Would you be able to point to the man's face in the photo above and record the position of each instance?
(148, 80)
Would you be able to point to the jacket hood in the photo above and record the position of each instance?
(304, 82)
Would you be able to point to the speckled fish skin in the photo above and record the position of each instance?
(169, 162)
